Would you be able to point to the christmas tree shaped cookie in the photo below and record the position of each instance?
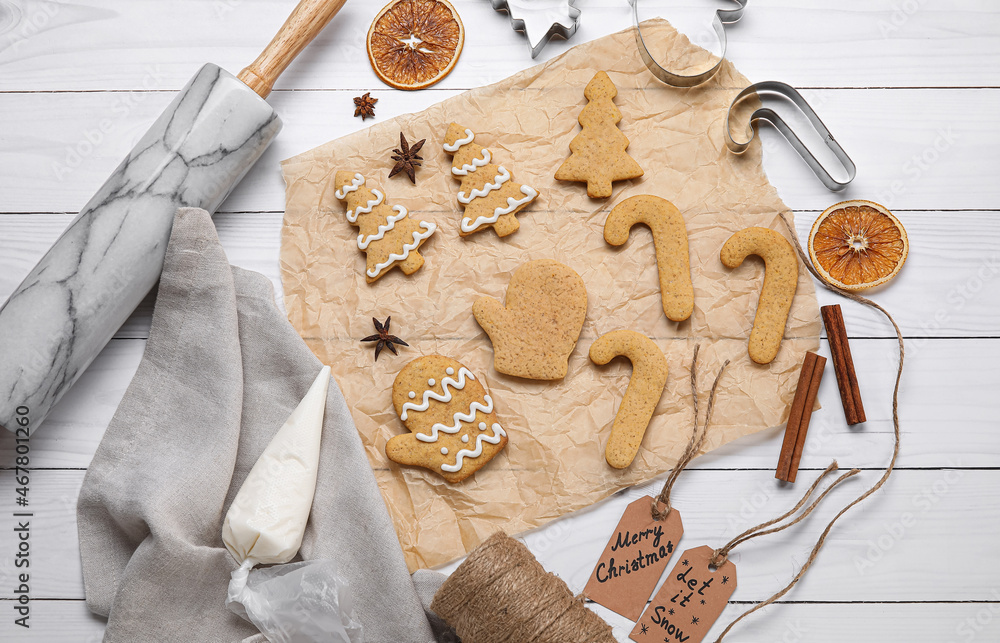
(598, 152)
(387, 235)
(488, 192)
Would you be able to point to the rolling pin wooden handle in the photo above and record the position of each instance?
(307, 20)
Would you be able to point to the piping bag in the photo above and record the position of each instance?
(71, 304)
(297, 602)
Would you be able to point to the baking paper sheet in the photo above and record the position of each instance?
(554, 462)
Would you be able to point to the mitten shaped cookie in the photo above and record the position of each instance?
(454, 431)
(535, 332)
(489, 194)
(387, 236)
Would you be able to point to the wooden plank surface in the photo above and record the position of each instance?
(866, 559)
(910, 88)
(931, 158)
(149, 44)
(69, 621)
(946, 422)
(958, 275)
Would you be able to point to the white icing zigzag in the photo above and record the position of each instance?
(476, 163)
(469, 137)
(459, 418)
(390, 223)
(429, 395)
(530, 193)
(499, 180)
(407, 247)
(498, 433)
(352, 215)
(356, 183)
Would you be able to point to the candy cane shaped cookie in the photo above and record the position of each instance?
(670, 242)
(781, 277)
(649, 376)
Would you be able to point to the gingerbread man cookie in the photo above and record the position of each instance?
(781, 277)
(488, 192)
(535, 332)
(387, 237)
(454, 430)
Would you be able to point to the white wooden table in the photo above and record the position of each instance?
(911, 88)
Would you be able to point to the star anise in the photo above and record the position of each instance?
(406, 158)
(384, 339)
(364, 106)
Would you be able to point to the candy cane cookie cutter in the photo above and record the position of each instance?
(791, 94)
(725, 17)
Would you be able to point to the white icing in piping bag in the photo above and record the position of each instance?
(268, 517)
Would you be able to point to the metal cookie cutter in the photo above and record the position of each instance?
(541, 19)
(722, 18)
(766, 114)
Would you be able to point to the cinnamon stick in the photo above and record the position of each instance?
(843, 364)
(799, 416)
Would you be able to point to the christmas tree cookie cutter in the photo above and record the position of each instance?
(725, 17)
(541, 19)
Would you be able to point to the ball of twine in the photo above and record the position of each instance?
(501, 594)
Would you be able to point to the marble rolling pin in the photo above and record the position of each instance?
(72, 303)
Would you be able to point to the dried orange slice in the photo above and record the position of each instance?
(413, 44)
(857, 244)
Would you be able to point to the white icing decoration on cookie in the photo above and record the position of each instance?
(497, 183)
(512, 204)
(472, 167)
(469, 137)
(444, 450)
(407, 247)
(458, 385)
(482, 426)
(465, 438)
(498, 433)
(352, 215)
(430, 382)
(412, 394)
(356, 183)
(449, 371)
(389, 224)
(457, 419)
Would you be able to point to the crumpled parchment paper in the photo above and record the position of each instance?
(554, 462)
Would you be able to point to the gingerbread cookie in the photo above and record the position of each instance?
(387, 237)
(598, 151)
(649, 377)
(670, 242)
(781, 277)
(535, 332)
(488, 193)
(454, 431)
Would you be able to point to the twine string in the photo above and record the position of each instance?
(895, 427)
(719, 556)
(694, 444)
(501, 593)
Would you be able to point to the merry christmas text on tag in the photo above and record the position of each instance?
(634, 558)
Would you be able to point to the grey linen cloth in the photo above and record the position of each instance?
(222, 371)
